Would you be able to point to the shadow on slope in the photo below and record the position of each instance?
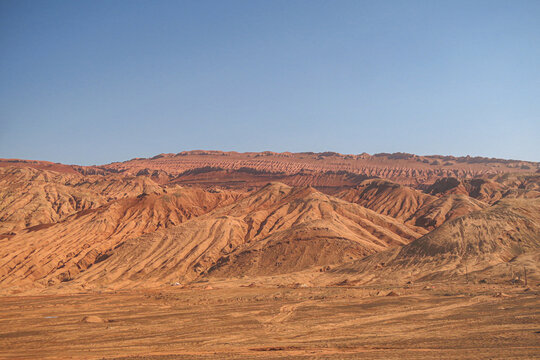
(276, 229)
(475, 242)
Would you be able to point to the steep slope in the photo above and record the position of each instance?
(387, 198)
(59, 251)
(518, 181)
(31, 197)
(489, 189)
(471, 243)
(409, 205)
(436, 213)
(274, 230)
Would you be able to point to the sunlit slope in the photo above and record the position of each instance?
(62, 250)
(474, 242)
(284, 229)
(31, 197)
(410, 205)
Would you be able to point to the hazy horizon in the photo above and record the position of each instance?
(98, 82)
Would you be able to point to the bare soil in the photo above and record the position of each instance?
(424, 321)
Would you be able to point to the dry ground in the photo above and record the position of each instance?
(447, 321)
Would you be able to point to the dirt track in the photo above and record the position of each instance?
(447, 322)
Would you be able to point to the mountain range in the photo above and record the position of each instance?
(323, 218)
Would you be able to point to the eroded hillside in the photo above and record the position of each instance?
(179, 218)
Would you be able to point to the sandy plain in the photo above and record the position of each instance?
(228, 321)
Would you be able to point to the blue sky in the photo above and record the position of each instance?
(91, 82)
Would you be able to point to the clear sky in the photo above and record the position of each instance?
(91, 82)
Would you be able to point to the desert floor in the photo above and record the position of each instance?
(435, 321)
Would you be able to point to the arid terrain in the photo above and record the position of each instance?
(423, 322)
(209, 254)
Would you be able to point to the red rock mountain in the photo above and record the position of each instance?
(184, 217)
(482, 242)
(326, 169)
